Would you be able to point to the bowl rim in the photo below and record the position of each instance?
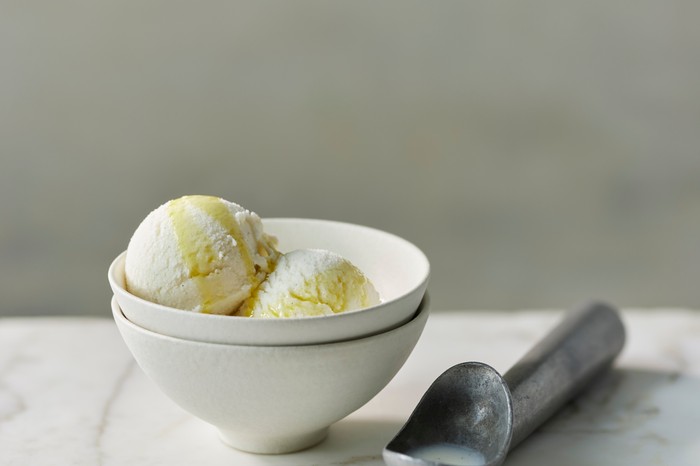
(290, 321)
(420, 314)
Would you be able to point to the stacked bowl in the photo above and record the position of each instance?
(276, 385)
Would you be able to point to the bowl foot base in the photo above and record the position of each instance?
(272, 445)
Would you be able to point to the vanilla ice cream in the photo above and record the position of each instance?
(311, 282)
(199, 253)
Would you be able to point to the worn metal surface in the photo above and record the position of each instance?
(472, 406)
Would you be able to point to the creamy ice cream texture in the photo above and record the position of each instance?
(199, 253)
(209, 255)
(311, 282)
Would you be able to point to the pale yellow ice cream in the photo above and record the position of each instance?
(199, 253)
(311, 282)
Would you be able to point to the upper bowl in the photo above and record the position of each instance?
(396, 267)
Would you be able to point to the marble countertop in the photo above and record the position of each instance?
(71, 394)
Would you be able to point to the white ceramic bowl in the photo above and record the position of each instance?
(398, 269)
(271, 399)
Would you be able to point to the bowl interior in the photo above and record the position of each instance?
(398, 269)
(394, 265)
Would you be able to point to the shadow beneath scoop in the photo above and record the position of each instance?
(629, 416)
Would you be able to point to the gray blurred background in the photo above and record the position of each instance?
(540, 153)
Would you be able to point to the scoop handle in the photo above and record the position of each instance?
(553, 372)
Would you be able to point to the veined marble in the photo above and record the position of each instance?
(71, 394)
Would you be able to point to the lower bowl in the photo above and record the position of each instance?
(271, 399)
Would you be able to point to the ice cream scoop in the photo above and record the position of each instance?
(311, 282)
(199, 253)
(472, 415)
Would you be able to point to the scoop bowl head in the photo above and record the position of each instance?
(465, 418)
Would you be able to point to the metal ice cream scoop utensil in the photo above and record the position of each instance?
(471, 415)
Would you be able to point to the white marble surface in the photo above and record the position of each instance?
(70, 394)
